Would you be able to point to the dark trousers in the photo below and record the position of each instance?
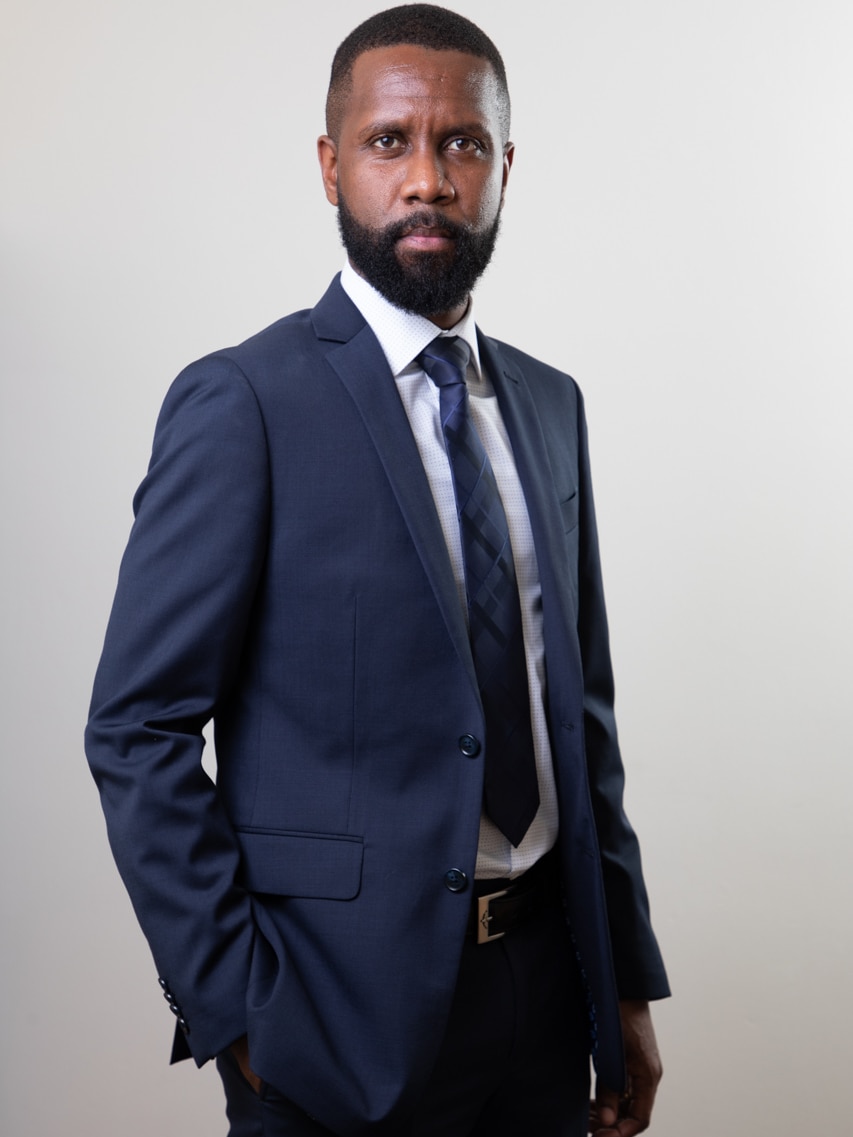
(514, 1061)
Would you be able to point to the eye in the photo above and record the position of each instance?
(386, 142)
(465, 146)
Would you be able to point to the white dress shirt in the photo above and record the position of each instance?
(402, 337)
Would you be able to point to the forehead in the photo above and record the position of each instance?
(406, 77)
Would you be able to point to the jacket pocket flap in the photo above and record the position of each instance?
(324, 866)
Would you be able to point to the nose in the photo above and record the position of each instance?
(426, 178)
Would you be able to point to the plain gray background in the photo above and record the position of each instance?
(678, 236)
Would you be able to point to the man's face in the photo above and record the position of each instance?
(418, 173)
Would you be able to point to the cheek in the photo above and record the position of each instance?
(489, 202)
(367, 195)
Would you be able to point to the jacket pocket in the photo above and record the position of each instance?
(316, 865)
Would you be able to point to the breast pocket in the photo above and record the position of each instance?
(569, 511)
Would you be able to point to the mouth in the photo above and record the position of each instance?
(426, 238)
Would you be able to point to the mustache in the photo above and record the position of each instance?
(423, 220)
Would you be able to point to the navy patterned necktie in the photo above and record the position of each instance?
(494, 613)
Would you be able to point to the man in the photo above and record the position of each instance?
(412, 903)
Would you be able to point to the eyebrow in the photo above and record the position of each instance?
(397, 126)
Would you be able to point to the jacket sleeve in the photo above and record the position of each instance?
(172, 649)
(637, 962)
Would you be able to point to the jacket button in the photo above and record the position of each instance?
(184, 1026)
(455, 880)
(469, 745)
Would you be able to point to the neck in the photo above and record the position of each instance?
(443, 320)
(449, 319)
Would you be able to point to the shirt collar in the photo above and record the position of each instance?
(403, 335)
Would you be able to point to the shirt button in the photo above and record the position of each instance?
(469, 745)
(455, 880)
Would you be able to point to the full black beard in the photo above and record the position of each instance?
(427, 284)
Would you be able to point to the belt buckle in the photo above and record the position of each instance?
(484, 917)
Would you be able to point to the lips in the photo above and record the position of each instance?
(428, 231)
(426, 238)
(425, 231)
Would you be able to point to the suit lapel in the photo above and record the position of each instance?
(359, 363)
(534, 471)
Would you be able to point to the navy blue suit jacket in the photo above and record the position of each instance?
(287, 577)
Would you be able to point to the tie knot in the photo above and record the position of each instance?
(445, 360)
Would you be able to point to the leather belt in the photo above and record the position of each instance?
(509, 903)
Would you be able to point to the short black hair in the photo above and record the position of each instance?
(423, 25)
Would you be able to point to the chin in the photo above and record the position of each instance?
(424, 262)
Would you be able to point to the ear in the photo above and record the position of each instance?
(327, 152)
(509, 154)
